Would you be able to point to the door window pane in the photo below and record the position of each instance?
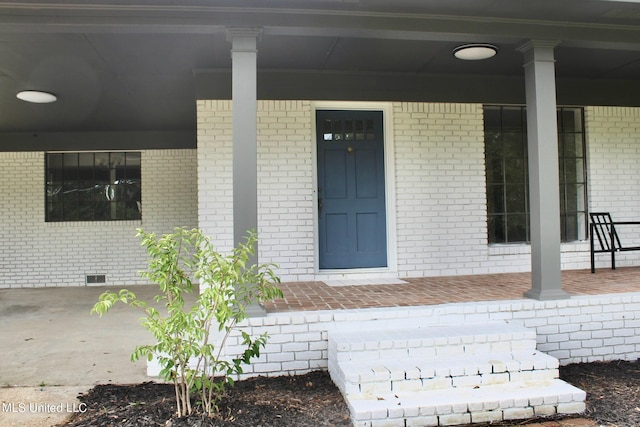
(348, 130)
(359, 130)
(370, 130)
(327, 133)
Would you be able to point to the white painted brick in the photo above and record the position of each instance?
(387, 423)
(294, 329)
(625, 349)
(443, 409)
(422, 421)
(613, 342)
(624, 332)
(427, 411)
(308, 336)
(295, 346)
(467, 381)
(571, 408)
(169, 200)
(279, 338)
(454, 419)
(296, 365)
(318, 345)
(395, 413)
(376, 388)
(280, 357)
(544, 410)
(380, 373)
(490, 379)
(267, 367)
(517, 413)
(320, 364)
(436, 383)
(486, 416)
(407, 385)
(308, 355)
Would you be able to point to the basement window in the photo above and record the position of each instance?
(93, 186)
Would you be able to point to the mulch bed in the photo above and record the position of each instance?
(613, 391)
(312, 400)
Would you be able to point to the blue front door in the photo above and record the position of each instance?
(351, 189)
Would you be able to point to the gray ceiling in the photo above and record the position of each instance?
(139, 65)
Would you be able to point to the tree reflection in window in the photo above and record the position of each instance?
(505, 137)
(87, 186)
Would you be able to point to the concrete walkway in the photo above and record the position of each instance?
(52, 349)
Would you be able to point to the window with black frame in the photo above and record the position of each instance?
(507, 174)
(93, 186)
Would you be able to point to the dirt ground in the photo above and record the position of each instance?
(312, 400)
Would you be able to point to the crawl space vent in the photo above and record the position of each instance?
(95, 278)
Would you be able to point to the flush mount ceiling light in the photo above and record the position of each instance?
(36, 96)
(475, 51)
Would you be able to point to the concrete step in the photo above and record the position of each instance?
(392, 375)
(483, 404)
(429, 342)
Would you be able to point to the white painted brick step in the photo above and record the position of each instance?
(447, 375)
(468, 405)
(392, 375)
(430, 341)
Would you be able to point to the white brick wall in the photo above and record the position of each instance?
(285, 187)
(578, 330)
(169, 190)
(440, 188)
(215, 175)
(285, 182)
(613, 139)
(35, 253)
(440, 197)
(439, 185)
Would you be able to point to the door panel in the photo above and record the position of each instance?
(336, 182)
(351, 189)
(366, 174)
(366, 224)
(336, 239)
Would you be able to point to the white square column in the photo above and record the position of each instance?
(544, 180)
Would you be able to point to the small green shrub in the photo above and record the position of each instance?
(190, 341)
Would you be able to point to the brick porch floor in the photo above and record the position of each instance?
(308, 296)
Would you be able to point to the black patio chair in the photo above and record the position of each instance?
(603, 229)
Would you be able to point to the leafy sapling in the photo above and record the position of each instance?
(191, 341)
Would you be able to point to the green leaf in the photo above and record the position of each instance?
(182, 334)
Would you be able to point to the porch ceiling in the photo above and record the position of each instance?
(133, 65)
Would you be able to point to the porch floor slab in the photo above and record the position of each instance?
(309, 296)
